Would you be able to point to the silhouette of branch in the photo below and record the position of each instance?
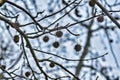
(21, 8)
(70, 59)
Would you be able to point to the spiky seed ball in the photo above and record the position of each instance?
(16, 38)
(52, 64)
(77, 47)
(56, 44)
(100, 18)
(16, 25)
(2, 2)
(59, 33)
(92, 3)
(3, 66)
(45, 38)
(27, 74)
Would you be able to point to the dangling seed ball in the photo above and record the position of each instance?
(56, 44)
(27, 74)
(2, 2)
(16, 38)
(45, 38)
(77, 47)
(100, 18)
(59, 34)
(92, 3)
(52, 64)
(16, 25)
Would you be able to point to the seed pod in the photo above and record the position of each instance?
(16, 25)
(45, 38)
(77, 47)
(100, 18)
(92, 3)
(27, 74)
(16, 38)
(56, 44)
(52, 64)
(3, 66)
(59, 34)
(2, 2)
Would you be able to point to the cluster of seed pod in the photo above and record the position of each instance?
(92, 4)
(56, 44)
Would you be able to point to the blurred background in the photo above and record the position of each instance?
(76, 36)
